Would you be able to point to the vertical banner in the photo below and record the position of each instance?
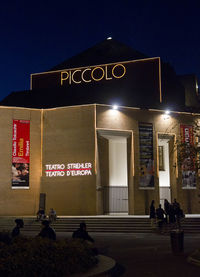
(188, 165)
(146, 155)
(20, 153)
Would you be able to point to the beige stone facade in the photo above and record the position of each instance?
(19, 201)
(73, 137)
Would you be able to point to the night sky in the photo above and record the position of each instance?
(36, 35)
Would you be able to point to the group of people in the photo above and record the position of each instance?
(48, 232)
(41, 214)
(171, 214)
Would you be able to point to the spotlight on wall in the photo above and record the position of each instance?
(166, 115)
(115, 107)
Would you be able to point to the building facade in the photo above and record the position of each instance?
(94, 159)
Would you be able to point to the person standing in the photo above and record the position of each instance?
(176, 205)
(152, 214)
(166, 209)
(172, 218)
(178, 213)
(160, 216)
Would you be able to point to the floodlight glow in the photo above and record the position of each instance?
(115, 107)
(167, 112)
(109, 38)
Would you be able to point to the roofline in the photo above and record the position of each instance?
(91, 66)
(151, 110)
(103, 105)
(73, 68)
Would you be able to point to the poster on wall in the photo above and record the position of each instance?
(20, 153)
(146, 155)
(188, 167)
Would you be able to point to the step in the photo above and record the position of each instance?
(98, 224)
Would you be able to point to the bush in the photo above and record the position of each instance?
(5, 237)
(42, 257)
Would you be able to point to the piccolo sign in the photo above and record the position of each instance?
(102, 83)
(70, 169)
(89, 74)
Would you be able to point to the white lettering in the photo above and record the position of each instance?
(14, 149)
(72, 169)
(55, 173)
(54, 166)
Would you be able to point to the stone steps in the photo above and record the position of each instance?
(98, 224)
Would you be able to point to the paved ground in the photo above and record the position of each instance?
(147, 255)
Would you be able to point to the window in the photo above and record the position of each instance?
(161, 157)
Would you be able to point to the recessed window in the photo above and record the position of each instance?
(161, 157)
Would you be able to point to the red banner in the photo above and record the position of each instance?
(20, 153)
(21, 141)
(187, 134)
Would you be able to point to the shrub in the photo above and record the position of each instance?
(5, 237)
(42, 257)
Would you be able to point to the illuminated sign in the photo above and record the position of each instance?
(71, 169)
(134, 82)
(87, 75)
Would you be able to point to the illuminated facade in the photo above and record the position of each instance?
(62, 150)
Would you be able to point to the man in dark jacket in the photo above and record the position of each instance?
(47, 231)
(81, 233)
(160, 216)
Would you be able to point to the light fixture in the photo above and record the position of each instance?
(109, 38)
(115, 107)
(166, 115)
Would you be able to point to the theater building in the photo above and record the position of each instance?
(93, 136)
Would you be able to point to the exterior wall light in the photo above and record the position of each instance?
(109, 38)
(166, 115)
(115, 107)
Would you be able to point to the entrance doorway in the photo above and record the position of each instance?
(113, 156)
(164, 168)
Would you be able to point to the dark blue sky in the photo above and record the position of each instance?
(36, 35)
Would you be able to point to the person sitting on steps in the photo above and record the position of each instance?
(16, 231)
(41, 214)
(52, 215)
